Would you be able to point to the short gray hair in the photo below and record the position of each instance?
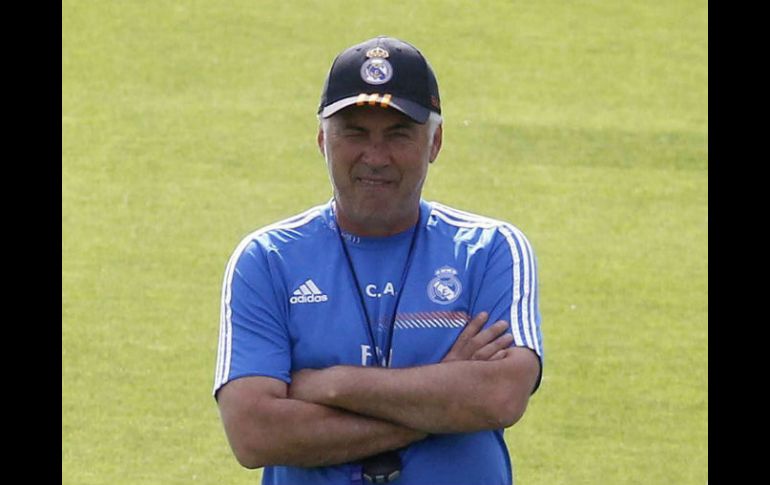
(434, 120)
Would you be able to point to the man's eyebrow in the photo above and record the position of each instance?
(400, 125)
(349, 125)
(403, 125)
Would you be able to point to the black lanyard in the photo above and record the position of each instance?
(362, 302)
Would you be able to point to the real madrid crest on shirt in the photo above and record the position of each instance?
(445, 287)
(376, 69)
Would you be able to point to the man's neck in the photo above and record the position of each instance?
(374, 228)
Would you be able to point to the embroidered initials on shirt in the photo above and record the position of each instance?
(373, 292)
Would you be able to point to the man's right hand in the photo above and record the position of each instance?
(476, 344)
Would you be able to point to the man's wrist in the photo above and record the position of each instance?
(319, 386)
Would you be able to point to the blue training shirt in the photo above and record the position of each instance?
(289, 303)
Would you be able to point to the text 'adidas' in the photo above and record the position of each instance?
(308, 292)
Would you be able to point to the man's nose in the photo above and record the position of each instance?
(376, 153)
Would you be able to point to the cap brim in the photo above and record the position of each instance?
(413, 110)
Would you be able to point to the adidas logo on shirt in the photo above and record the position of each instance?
(308, 292)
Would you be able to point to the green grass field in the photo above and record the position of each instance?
(187, 124)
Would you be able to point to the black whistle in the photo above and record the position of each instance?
(382, 468)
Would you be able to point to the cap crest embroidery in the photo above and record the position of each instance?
(377, 52)
(376, 70)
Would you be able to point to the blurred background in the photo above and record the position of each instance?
(188, 124)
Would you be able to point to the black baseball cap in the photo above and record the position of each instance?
(385, 72)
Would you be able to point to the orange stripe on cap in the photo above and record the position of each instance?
(373, 99)
(361, 99)
(385, 101)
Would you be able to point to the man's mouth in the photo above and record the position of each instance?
(373, 182)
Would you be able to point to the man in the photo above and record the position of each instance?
(380, 336)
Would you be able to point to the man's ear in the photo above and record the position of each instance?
(320, 140)
(435, 146)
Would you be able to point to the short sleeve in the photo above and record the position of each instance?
(253, 340)
(509, 290)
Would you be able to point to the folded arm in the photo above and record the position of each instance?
(341, 414)
(270, 423)
(265, 427)
(449, 397)
(477, 386)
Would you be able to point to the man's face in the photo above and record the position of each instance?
(378, 160)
